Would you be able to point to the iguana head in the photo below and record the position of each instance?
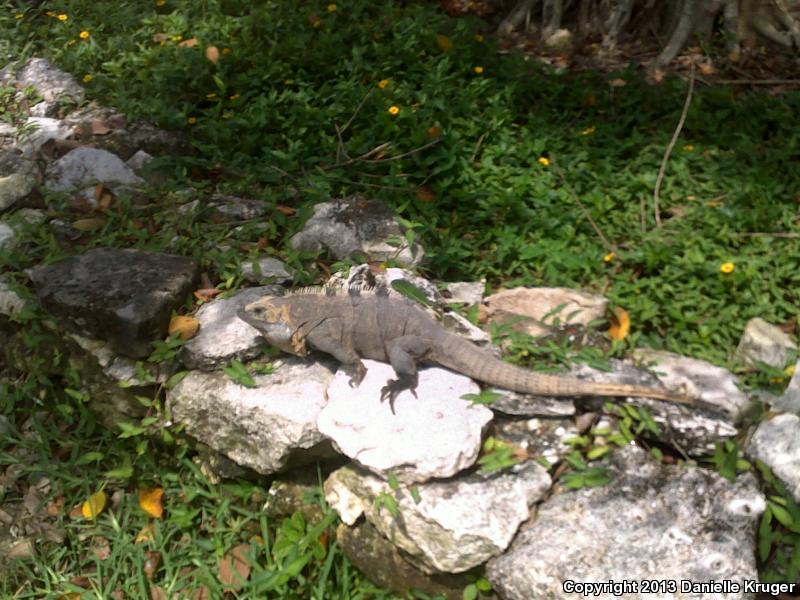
(272, 317)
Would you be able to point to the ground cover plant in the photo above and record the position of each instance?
(488, 157)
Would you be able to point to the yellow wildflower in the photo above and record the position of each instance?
(191, 120)
(789, 371)
(688, 148)
(226, 51)
(478, 70)
(63, 17)
(87, 78)
(211, 96)
(161, 2)
(84, 35)
(727, 267)
(588, 130)
(50, 13)
(233, 97)
(544, 161)
(609, 257)
(393, 110)
(177, 38)
(331, 7)
(478, 37)
(383, 83)
(18, 15)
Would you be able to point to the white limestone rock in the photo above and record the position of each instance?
(436, 434)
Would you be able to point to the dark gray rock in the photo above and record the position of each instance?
(652, 522)
(123, 296)
(18, 177)
(265, 269)
(146, 137)
(357, 225)
(383, 563)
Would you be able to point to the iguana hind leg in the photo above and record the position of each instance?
(326, 338)
(403, 353)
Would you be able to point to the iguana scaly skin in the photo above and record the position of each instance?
(351, 325)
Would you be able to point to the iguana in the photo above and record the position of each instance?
(354, 324)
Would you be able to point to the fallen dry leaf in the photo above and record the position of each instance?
(160, 37)
(433, 132)
(617, 83)
(234, 569)
(157, 593)
(89, 224)
(201, 593)
(620, 324)
(286, 210)
(55, 506)
(185, 327)
(101, 547)
(444, 43)
(100, 127)
(706, 68)
(150, 501)
(145, 535)
(190, 43)
(212, 54)
(103, 196)
(152, 560)
(425, 194)
(20, 549)
(94, 505)
(81, 581)
(206, 294)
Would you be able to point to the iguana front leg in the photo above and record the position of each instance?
(403, 353)
(327, 338)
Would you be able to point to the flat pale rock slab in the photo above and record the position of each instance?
(764, 342)
(451, 526)
(776, 442)
(651, 522)
(696, 378)
(544, 307)
(268, 428)
(84, 167)
(223, 336)
(436, 434)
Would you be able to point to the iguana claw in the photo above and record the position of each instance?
(393, 388)
(358, 376)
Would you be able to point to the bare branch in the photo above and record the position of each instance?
(575, 197)
(668, 151)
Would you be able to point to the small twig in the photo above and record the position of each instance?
(409, 153)
(358, 108)
(340, 149)
(478, 146)
(586, 214)
(757, 81)
(377, 149)
(776, 234)
(673, 141)
(375, 185)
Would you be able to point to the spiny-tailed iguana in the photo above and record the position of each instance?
(354, 324)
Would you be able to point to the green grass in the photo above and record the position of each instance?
(263, 121)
